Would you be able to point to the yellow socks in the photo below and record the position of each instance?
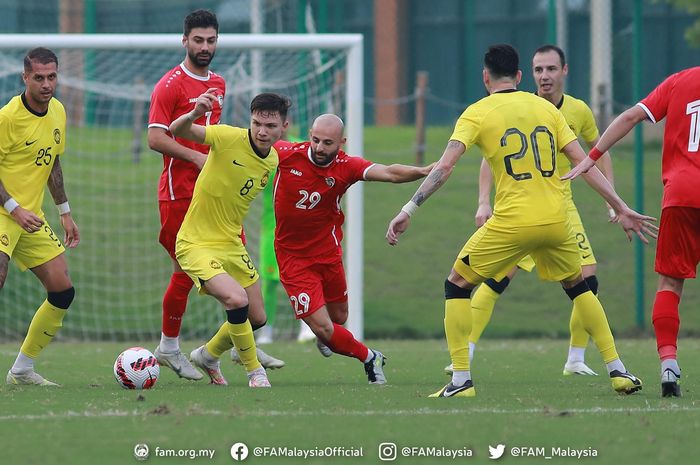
(44, 326)
(242, 336)
(458, 325)
(482, 304)
(579, 336)
(594, 321)
(220, 342)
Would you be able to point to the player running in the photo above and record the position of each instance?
(209, 246)
(310, 182)
(175, 95)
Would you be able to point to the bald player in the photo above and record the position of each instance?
(311, 179)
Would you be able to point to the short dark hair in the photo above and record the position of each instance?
(270, 102)
(200, 18)
(552, 48)
(501, 61)
(40, 54)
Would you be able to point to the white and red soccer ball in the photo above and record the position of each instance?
(136, 368)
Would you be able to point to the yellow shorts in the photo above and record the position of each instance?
(28, 250)
(492, 253)
(203, 262)
(584, 247)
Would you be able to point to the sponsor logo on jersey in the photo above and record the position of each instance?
(330, 182)
(192, 100)
(57, 135)
(4, 240)
(30, 142)
(296, 172)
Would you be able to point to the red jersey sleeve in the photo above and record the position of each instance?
(284, 149)
(163, 102)
(357, 167)
(656, 103)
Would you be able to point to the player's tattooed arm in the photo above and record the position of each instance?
(4, 195)
(55, 183)
(441, 172)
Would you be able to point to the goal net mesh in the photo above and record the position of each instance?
(119, 270)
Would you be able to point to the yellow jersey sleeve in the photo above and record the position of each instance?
(589, 130)
(467, 127)
(564, 133)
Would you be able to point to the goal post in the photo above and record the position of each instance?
(105, 81)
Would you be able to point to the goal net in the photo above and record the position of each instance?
(119, 269)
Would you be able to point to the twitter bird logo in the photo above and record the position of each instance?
(496, 453)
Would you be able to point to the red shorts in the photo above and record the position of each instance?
(172, 212)
(311, 282)
(678, 245)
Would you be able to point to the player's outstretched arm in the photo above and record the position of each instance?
(161, 142)
(184, 127)
(630, 220)
(29, 221)
(618, 129)
(58, 192)
(484, 210)
(604, 164)
(437, 177)
(397, 173)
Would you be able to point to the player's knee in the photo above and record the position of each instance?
(62, 299)
(592, 283)
(577, 289)
(235, 301)
(453, 291)
(237, 316)
(498, 286)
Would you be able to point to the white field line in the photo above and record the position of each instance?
(393, 413)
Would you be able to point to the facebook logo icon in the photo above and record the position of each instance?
(239, 452)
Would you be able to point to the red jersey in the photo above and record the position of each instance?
(307, 199)
(173, 96)
(678, 100)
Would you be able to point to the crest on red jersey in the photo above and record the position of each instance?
(330, 182)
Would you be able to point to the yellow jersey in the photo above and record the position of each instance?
(29, 145)
(520, 135)
(232, 177)
(580, 119)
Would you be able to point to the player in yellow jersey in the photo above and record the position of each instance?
(549, 70)
(209, 249)
(32, 140)
(520, 135)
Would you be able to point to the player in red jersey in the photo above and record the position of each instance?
(678, 251)
(174, 95)
(311, 179)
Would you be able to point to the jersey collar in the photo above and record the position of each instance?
(311, 159)
(255, 149)
(192, 75)
(31, 110)
(558, 105)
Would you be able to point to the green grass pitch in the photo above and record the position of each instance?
(522, 401)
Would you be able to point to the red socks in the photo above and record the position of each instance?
(344, 343)
(666, 323)
(175, 303)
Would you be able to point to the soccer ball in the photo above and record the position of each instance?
(136, 368)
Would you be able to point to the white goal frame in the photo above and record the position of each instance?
(354, 118)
